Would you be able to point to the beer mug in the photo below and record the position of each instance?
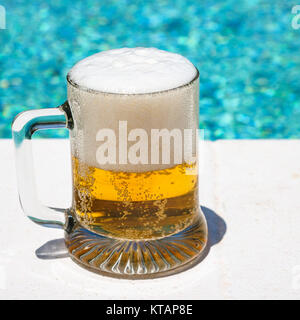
(135, 211)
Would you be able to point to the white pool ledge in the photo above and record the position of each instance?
(250, 191)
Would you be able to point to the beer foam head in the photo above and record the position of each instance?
(133, 71)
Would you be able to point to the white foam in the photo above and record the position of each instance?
(133, 71)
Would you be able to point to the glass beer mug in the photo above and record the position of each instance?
(135, 210)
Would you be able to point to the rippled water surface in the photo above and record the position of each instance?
(247, 53)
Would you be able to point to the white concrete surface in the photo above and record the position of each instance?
(254, 186)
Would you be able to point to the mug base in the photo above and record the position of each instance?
(136, 259)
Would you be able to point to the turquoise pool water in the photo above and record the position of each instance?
(247, 53)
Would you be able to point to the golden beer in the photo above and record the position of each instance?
(135, 205)
(132, 115)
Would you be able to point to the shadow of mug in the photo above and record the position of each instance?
(56, 249)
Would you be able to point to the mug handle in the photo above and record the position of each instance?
(23, 127)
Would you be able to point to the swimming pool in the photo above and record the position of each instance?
(247, 54)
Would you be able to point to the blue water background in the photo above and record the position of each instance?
(247, 53)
